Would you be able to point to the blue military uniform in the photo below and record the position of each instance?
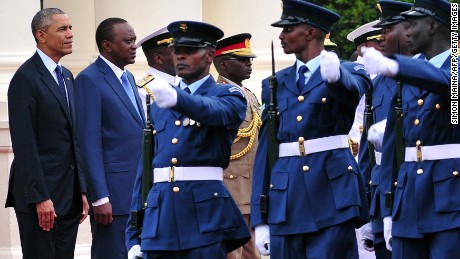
(311, 192)
(192, 138)
(384, 88)
(426, 212)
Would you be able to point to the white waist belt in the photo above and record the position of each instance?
(172, 174)
(378, 157)
(313, 145)
(438, 152)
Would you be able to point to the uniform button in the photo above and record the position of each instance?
(372, 108)
(370, 182)
(418, 143)
(350, 168)
(198, 124)
(455, 173)
(174, 160)
(186, 122)
(192, 122)
(145, 204)
(174, 140)
(416, 122)
(396, 183)
(420, 102)
(216, 194)
(437, 106)
(176, 189)
(323, 100)
(305, 168)
(301, 98)
(420, 171)
(301, 139)
(231, 176)
(299, 118)
(177, 123)
(271, 186)
(278, 113)
(154, 132)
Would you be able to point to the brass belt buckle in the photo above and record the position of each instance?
(302, 146)
(171, 174)
(419, 153)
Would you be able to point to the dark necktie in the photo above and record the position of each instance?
(129, 90)
(187, 90)
(302, 79)
(61, 84)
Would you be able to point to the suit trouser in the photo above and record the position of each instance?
(57, 243)
(444, 244)
(335, 242)
(109, 240)
(380, 247)
(214, 251)
(248, 250)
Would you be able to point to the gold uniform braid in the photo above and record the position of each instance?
(248, 132)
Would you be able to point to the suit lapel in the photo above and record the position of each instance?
(315, 79)
(116, 86)
(138, 99)
(289, 80)
(49, 81)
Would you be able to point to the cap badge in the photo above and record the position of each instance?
(379, 7)
(183, 27)
(247, 44)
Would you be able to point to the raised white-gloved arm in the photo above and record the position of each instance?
(367, 237)
(262, 233)
(387, 226)
(165, 94)
(329, 64)
(376, 63)
(375, 134)
(134, 252)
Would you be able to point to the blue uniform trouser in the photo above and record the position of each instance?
(214, 251)
(380, 248)
(338, 241)
(443, 244)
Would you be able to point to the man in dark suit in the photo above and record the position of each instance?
(111, 119)
(47, 187)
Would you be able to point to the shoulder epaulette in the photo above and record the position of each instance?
(145, 80)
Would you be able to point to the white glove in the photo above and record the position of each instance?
(375, 134)
(262, 233)
(135, 251)
(376, 63)
(366, 234)
(387, 225)
(329, 64)
(165, 95)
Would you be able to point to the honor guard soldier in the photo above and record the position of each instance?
(315, 192)
(424, 219)
(160, 60)
(233, 62)
(189, 211)
(378, 102)
(364, 36)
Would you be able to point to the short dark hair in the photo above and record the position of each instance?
(42, 20)
(105, 30)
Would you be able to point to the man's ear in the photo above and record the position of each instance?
(158, 58)
(210, 53)
(106, 46)
(433, 26)
(40, 35)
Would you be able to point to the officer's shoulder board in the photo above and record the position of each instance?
(236, 89)
(145, 80)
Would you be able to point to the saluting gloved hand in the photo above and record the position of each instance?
(376, 63)
(135, 252)
(262, 233)
(329, 64)
(387, 226)
(367, 237)
(375, 134)
(165, 94)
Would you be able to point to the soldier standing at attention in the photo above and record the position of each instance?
(233, 62)
(316, 194)
(160, 60)
(189, 211)
(424, 221)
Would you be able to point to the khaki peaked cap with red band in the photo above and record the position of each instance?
(237, 45)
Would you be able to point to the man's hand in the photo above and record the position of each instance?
(376, 63)
(367, 237)
(46, 214)
(387, 226)
(329, 64)
(103, 213)
(262, 235)
(375, 134)
(84, 213)
(135, 252)
(165, 95)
